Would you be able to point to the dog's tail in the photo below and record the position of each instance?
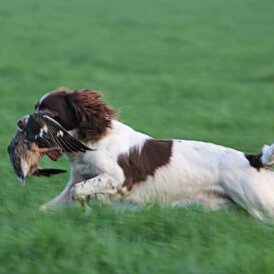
(265, 159)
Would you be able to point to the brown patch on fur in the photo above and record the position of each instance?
(138, 164)
(255, 160)
(92, 113)
(56, 105)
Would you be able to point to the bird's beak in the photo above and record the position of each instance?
(24, 172)
(22, 181)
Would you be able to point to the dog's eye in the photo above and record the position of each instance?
(40, 107)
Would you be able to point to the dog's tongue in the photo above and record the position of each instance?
(54, 155)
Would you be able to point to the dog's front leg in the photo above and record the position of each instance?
(64, 196)
(103, 187)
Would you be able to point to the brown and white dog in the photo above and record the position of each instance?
(128, 165)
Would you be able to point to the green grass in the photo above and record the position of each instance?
(184, 69)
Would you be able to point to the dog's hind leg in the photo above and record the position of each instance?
(250, 188)
(213, 198)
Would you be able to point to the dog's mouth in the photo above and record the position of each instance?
(54, 154)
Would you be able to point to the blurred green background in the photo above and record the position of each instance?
(201, 69)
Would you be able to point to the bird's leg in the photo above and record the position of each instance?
(45, 149)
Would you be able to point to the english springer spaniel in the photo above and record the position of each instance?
(128, 165)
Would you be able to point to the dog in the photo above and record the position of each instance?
(127, 165)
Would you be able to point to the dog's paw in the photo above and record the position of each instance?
(88, 210)
(43, 208)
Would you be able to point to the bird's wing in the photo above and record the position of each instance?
(14, 150)
(37, 131)
(61, 136)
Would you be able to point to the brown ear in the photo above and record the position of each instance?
(92, 113)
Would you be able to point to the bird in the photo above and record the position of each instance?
(46, 132)
(40, 135)
(25, 157)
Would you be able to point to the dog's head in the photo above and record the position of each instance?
(83, 110)
(57, 104)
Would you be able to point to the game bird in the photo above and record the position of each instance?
(40, 135)
(25, 157)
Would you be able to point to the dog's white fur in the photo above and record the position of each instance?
(197, 172)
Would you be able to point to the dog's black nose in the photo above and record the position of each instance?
(22, 122)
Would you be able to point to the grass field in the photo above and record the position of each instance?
(185, 69)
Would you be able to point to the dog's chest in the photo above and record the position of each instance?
(93, 163)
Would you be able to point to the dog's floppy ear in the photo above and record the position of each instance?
(92, 113)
